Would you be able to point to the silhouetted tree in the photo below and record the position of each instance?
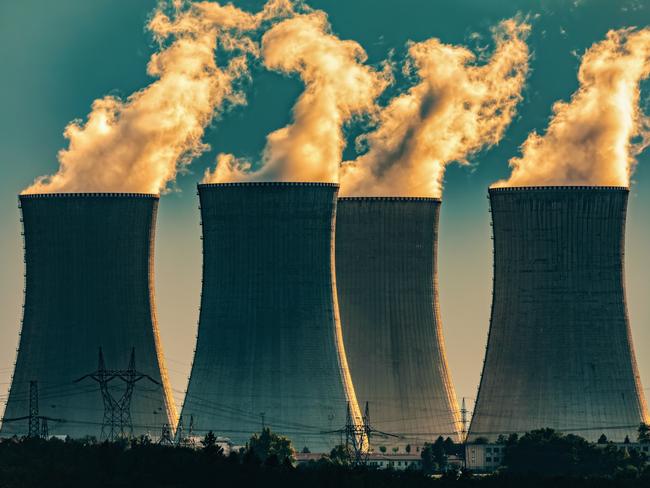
(451, 447)
(272, 461)
(602, 439)
(210, 446)
(513, 438)
(440, 453)
(341, 455)
(210, 440)
(267, 443)
(644, 433)
(429, 465)
(435, 456)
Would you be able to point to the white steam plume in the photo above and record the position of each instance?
(457, 108)
(593, 138)
(140, 143)
(338, 87)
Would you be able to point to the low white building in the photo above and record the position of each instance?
(395, 461)
(377, 460)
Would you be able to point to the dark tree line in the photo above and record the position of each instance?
(541, 458)
(550, 453)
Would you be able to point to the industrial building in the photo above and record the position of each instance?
(487, 458)
(89, 285)
(386, 270)
(559, 352)
(269, 349)
(484, 458)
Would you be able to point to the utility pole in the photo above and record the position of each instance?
(262, 415)
(463, 419)
(117, 423)
(190, 431)
(178, 436)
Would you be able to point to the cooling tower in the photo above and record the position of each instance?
(269, 350)
(387, 282)
(559, 351)
(89, 284)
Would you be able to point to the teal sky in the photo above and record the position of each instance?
(57, 57)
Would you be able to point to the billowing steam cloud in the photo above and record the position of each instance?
(457, 108)
(139, 144)
(593, 138)
(338, 86)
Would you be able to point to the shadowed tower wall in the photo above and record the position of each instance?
(559, 350)
(89, 284)
(387, 281)
(269, 345)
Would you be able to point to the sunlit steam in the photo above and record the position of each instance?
(457, 108)
(593, 139)
(338, 87)
(140, 143)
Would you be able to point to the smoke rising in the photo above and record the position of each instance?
(338, 87)
(593, 138)
(457, 108)
(140, 143)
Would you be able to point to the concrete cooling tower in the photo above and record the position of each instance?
(89, 285)
(559, 351)
(387, 281)
(269, 350)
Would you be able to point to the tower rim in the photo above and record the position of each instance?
(549, 188)
(268, 183)
(24, 196)
(391, 199)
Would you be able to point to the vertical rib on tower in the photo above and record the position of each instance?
(387, 281)
(89, 284)
(269, 347)
(559, 351)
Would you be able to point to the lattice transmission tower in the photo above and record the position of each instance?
(357, 436)
(117, 422)
(37, 424)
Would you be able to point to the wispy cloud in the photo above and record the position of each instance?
(338, 87)
(138, 144)
(593, 138)
(457, 108)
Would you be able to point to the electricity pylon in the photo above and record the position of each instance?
(37, 424)
(166, 436)
(34, 420)
(357, 437)
(117, 423)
